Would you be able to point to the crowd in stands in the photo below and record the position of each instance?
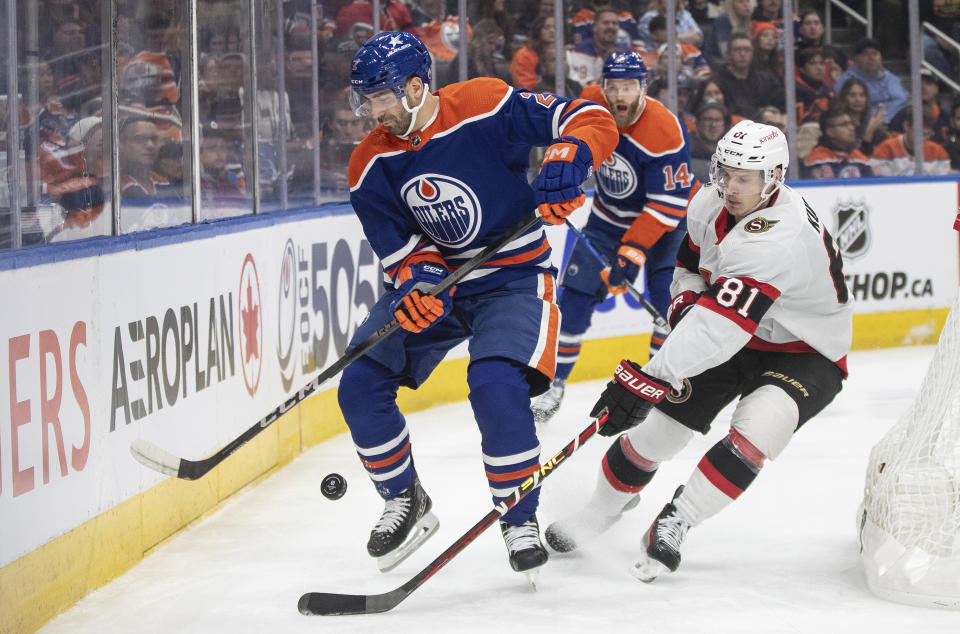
(853, 113)
(730, 58)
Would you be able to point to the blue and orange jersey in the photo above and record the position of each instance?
(824, 161)
(459, 183)
(629, 35)
(642, 189)
(812, 100)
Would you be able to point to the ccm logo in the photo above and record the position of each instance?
(560, 152)
(435, 270)
(639, 386)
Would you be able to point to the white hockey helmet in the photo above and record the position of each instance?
(753, 146)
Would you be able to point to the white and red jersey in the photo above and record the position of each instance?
(772, 281)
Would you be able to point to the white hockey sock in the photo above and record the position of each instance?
(700, 499)
(725, 472)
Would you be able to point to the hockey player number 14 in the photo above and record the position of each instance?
(682, 177)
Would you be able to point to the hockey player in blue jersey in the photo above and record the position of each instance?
(637, 218)
(442, 176)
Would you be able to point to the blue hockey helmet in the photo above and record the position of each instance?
(627, 65)
(385, 62)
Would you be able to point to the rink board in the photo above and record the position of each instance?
(186, 337)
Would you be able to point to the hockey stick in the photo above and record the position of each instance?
(156, 458)
(329, 603)
(657, 317)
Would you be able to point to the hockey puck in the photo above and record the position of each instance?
(333, 486)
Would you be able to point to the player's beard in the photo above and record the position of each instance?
(398, 124)
(626, 117)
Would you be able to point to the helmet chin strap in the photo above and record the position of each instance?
(765, 198)
(414, 110)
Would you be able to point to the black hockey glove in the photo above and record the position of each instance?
(628, 398)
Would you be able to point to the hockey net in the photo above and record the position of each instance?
(910, 517)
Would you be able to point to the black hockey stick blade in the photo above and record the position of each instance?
(158, 459)
(332, 604)
(637, 295)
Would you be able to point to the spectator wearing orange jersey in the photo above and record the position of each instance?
(894, 157)
(439, 30)
(587, 58)
(929, 96)
(73, 170)
(628, 34)
(836, 155)
(525, 70)
(139, 142)
(813, 94)
(811, 35)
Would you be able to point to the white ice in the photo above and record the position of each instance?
(783, 558)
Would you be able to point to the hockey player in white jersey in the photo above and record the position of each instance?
(766, 317)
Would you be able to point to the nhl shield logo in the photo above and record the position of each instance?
(853, 232)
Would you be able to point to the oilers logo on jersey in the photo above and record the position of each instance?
(617, 177)
(446, 208)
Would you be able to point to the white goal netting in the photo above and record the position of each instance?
(910, 518)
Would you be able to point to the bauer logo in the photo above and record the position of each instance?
(616, 177)
(853, 232)
(251, 325)
(445, 207)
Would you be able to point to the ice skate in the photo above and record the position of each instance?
(586, 524)
(547, 404)
(526, 551)
(662, 544)
(405, 524)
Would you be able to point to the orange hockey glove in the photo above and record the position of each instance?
(414, 308)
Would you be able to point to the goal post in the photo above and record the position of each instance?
(909, 521)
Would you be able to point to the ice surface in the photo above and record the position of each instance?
(783, 558)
